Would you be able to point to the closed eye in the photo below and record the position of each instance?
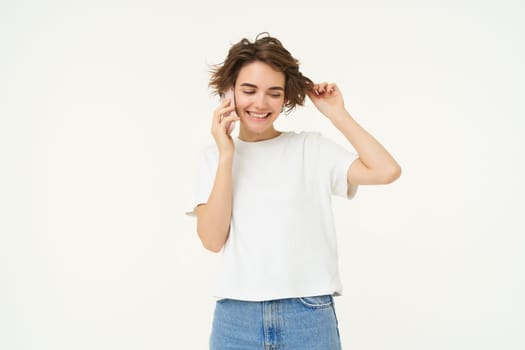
(251, 92)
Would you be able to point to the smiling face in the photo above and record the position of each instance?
(259, 98)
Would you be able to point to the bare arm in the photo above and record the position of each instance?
(214, 217)
(375, 165)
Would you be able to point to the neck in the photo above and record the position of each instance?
(252, 137)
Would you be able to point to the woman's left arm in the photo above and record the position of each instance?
(375, 165)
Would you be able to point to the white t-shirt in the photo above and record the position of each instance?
(282, 240)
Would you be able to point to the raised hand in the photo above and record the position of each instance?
(327, 98)
(223, 116)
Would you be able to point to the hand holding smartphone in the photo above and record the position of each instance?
(230, 95)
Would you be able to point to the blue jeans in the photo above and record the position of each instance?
(307, 323)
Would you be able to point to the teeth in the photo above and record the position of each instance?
(257, 115)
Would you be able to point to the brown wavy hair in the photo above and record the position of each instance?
(269, 50)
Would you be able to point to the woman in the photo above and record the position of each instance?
(263, 198)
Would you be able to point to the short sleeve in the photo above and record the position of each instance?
(204, 177)
(337, 160)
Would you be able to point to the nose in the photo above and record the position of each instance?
(259, 101)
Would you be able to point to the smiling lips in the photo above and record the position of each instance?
(259, 116)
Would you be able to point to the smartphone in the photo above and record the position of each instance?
(229, 94)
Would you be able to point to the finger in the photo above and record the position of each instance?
(231, 118)
(217, 112)
(222, 111)
(315, 89)
(322, 87)
(226, 123)
(332, 87)
(228, 111)
(225, 102)
(312, 93)
(219, 123)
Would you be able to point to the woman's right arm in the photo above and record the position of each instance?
(214, 217)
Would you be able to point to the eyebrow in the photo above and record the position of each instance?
(255, 86)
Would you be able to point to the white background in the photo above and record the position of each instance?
(104, 104)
